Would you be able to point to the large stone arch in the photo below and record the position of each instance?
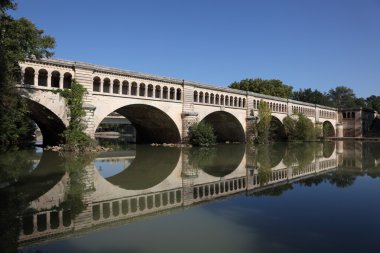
(226, 126)
(51, 125)
(48, 111)
(328, 129)
(152, 124)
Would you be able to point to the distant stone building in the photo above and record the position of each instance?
(356, 122)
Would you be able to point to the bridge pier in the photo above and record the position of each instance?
(89, 120)
(251, 129)
(188, 119)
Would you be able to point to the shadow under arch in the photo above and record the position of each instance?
(276, 130)
(226, 126)
(151, 166)
(218, 161)
(152, 124)
(50, 124)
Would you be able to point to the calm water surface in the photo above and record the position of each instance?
(316, 197)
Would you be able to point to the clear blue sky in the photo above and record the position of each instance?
(316, 44)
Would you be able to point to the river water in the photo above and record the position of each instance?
(313, 197)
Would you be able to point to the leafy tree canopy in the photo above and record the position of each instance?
(312, 96)
(373, 102)
(271, 87)
(342, 97)
(19, 39)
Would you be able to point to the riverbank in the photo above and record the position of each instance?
(375, 139)
(89, 149)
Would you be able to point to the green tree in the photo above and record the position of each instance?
(271, 87)
(299, 128)
(373, 102)
(264, 123)
(19, 39)
(290, 128)
(312, 96)
(305, 128)
(342, 97)
(202, 134)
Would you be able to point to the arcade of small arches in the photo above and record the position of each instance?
(283, 108)
(124, 87)
(46, 78)
(275, 107)
(218, 99)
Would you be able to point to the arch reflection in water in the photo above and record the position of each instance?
(150, 166)
(217, 161)
(175, 188)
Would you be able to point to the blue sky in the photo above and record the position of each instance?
(316, 44)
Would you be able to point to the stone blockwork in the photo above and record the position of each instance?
(160, 107)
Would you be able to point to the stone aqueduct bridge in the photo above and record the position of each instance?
(153, 104)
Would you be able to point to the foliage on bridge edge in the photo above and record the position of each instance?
(75, 137)
(201, 134)
(265, 116)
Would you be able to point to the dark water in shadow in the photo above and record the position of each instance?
(313, 197)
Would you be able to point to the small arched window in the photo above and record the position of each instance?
(134, 89)
(116, 86)
(96, 84)
(42, 77)
(150, 90)
(195, 99)
(165, 92)
(142, 90)
(55, 76)
(179, 94)
(67, 78)
(207, 98)
(125, 88)
(212, 98)
(158, 91)
(29, 76)
(106, 85)
(172, 93)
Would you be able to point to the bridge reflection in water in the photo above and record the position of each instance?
(158, 180)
